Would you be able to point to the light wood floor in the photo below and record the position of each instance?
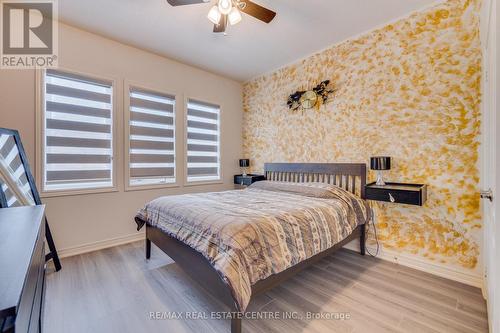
(114, 290)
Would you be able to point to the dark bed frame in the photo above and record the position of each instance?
(350, 176)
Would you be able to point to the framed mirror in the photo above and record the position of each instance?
(17, 184)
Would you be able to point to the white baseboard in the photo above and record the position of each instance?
(89, 247)
(416, 262)
(403, 259)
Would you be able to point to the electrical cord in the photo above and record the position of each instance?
(374, 232)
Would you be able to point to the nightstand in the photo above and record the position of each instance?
(248, 179)
(410, 194)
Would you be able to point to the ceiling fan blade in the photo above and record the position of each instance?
(258, 11)
(185, 2)
(221, 26)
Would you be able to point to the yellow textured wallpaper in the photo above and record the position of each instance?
(410, 90)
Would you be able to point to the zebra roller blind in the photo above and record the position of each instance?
(152, 138)
(78, 132)
(203, 141)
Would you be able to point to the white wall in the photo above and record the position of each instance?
(80, 220)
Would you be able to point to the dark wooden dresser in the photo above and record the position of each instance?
(22, 268)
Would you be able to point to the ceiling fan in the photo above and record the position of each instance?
(229, 11)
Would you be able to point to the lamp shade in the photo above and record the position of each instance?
(214, 15)
(380, 163)
(234, 16)
(244, 163)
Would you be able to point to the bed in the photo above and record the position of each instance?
(238, 244)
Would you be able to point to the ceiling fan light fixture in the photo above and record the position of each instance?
(234, 16)
(214, 15)
(225, 6)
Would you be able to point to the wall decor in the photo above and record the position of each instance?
(317, 96)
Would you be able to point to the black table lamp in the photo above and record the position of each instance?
(244, 163)
(380, 163)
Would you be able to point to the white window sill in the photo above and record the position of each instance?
(203, 182)
(64, 193)
(131, 188)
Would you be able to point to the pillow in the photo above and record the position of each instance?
(310, 189)
(321, 191)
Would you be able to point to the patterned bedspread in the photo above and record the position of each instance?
(251, 234)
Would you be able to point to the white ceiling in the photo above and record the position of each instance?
(251, 47)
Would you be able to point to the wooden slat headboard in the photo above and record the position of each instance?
(349, 176)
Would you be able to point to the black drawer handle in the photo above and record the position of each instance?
(391, 198)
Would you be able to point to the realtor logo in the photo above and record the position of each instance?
(28, 33)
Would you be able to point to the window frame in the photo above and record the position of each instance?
(185, 128)
(126, 124)
(40, 135)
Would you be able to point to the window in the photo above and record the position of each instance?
(203, 141)
(152, 138)
(78, 132)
